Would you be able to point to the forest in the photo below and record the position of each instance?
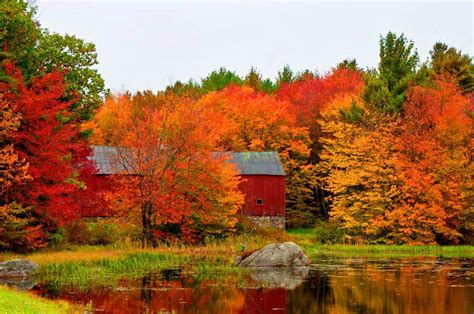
(383, 155)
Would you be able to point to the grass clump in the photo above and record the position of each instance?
(12, 301)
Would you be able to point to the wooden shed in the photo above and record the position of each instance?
(262, 174)
(263, 184)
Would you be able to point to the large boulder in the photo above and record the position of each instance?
(17, 268)
(286, 254)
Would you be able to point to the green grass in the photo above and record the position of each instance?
(106, 271)
(307, 239)
(12, 301)
(344, 250)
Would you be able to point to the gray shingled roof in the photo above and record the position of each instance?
(248, 163)
(264, 163)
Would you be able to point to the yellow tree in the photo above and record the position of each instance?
(358, 166)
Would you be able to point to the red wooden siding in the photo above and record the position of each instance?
(271, 189)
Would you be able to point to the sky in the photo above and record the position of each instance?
(151, 44)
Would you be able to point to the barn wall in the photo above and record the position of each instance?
(270, 188)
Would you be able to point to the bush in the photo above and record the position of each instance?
(100, 233)
(327, 232)
(103, 233)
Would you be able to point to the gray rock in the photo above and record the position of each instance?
(17, 268)
(286, 254)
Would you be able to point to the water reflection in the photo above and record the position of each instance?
(329, 286)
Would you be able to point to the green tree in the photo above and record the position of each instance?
(386, 86)
(449, 60)
(19, 32)
(219, 79)
(286, 75)
(78, 58)
(350, 64)
(268, 86)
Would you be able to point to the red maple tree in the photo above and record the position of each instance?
(49, 139)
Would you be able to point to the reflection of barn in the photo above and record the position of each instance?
(263, 182)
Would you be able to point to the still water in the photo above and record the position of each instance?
(355, 285)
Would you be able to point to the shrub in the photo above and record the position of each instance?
(103, 233)
(328, 233)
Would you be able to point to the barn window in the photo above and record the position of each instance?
(259, 201)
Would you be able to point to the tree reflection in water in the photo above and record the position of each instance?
(423, 285)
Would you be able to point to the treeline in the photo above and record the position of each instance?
(384, 154)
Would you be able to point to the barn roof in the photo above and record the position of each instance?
(248, 163)
(107, 159)
(263, 163)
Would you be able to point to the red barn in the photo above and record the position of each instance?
(263, 182)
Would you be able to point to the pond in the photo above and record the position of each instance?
(330, 285)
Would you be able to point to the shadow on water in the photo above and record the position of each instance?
(415, 285)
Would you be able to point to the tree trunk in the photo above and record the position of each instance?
(147, 236)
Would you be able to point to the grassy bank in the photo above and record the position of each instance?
(462, 251)
(308, 240)
(12, 301)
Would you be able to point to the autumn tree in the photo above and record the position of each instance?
(358, 168)
(18, 229)
(48, 139)
(164, 147)
(435, 163)
(401, 181)
(310, 96)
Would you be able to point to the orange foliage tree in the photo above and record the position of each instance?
(436, 166)
(171, 177)
(253, 121)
